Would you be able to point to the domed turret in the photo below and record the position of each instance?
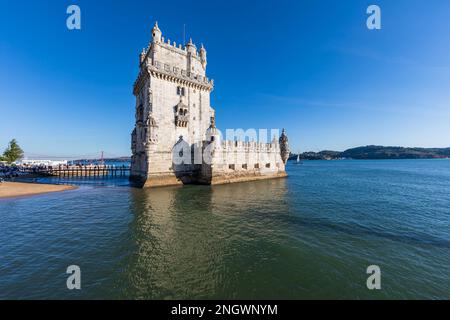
(284, 147)
(156, 33)
(203, 56)
(212, 134)
(191, 48)
(142, 56)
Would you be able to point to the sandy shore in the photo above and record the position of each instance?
(20, 189)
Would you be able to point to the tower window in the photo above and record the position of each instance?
(180, 91)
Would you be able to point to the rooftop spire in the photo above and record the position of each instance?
(203, 56)
(156, 33)
(191, 47)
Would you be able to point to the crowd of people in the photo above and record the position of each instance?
(14, 171)
(8, 172)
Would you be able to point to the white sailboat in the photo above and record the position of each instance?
(298, 161)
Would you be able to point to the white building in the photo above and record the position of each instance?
(174, 117)
(47, 163)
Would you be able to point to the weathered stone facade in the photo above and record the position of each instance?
(175, 125)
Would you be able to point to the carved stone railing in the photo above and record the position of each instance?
(181, 120)
(172, 73)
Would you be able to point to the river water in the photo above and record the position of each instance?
(312, 235)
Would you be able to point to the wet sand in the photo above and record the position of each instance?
(20, 189)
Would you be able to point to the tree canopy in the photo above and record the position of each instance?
(13, 152)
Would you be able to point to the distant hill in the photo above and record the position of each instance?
(377, 152)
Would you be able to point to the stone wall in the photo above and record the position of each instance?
(172, 108)
(236, 161)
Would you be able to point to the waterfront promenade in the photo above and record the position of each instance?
(82, 171)
(25, 171)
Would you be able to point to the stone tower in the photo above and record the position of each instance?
(172, 106)
(175, 121)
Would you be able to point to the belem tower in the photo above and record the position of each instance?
(175, 140)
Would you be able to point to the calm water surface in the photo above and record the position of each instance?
(311, 235)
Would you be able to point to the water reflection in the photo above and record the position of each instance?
(189, 242)
(309, 236)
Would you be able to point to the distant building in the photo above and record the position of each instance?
(47, 163)
(174, 120)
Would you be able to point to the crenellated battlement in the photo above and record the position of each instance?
(178, 48)
(174, 74)
(182, 74)
(175, 139)
(183, 65)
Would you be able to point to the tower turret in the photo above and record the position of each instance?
(284, 147)
(212, 134)
(156, 33)
(142, 56)
(203, 56)
(191, 48)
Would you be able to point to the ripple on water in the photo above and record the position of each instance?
(311, 235)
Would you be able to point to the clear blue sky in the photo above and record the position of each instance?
(309, 66)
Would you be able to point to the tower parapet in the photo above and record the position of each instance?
(172, 93)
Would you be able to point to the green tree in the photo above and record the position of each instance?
(13, 152)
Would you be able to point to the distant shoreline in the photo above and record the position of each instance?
(376, 153)
(293, 159)
(24, 189)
